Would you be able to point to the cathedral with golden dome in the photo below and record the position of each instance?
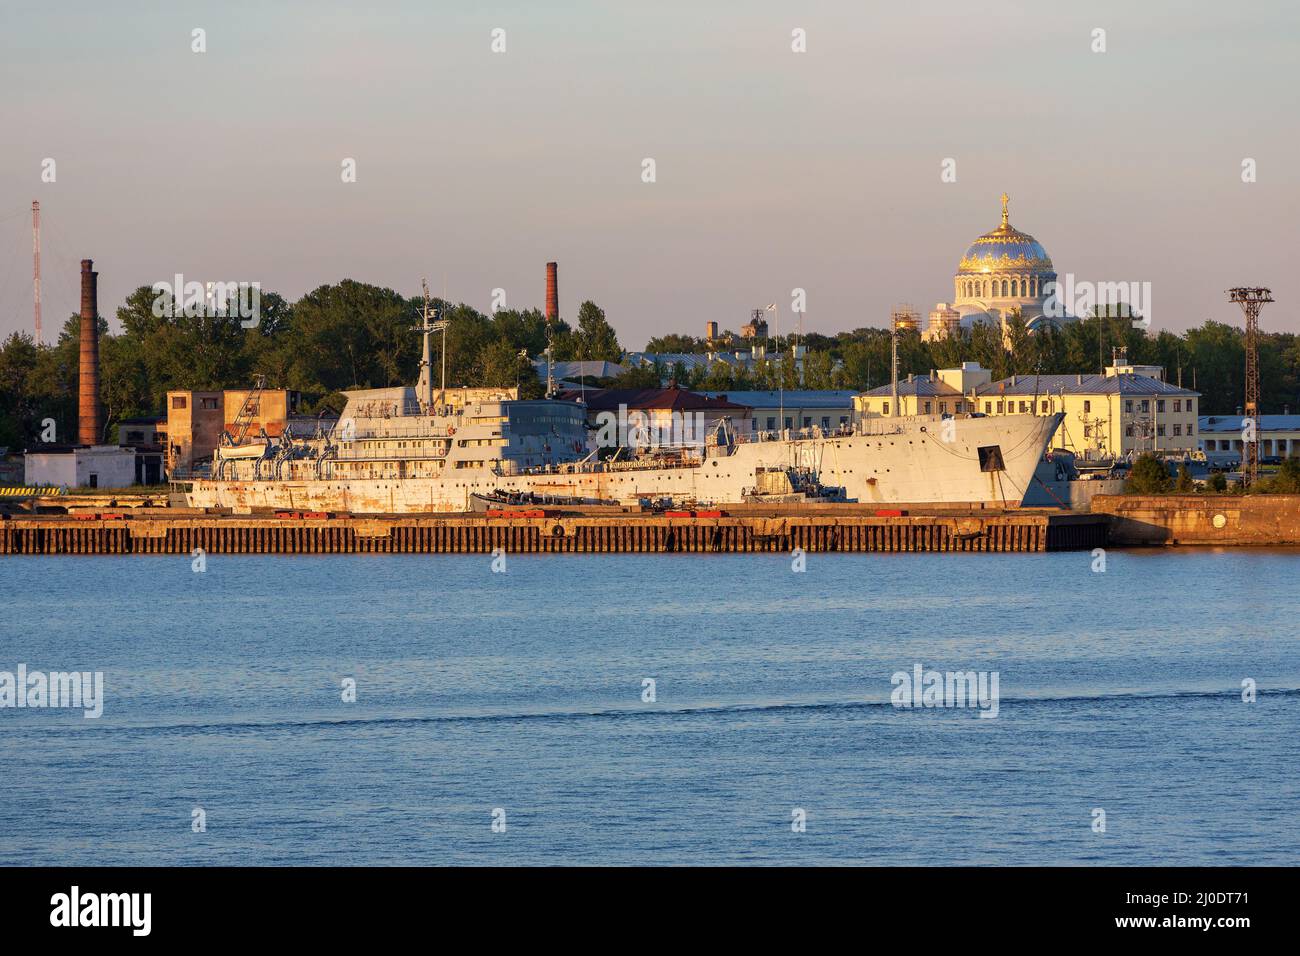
(1003, 270)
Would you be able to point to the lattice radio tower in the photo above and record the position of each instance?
(1251, 301)
(36, 266)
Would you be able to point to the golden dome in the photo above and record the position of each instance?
(1006, 249)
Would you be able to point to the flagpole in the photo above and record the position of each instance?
(780, 382)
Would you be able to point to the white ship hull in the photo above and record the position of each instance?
(910, 462)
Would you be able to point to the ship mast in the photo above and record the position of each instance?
(776, 319)
(431, 321)
(893, 368)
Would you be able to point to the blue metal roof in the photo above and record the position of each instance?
(917, 386)
(1126, 384)
(805, 398)
(689, 360)
(574, 370)
(1232, 423)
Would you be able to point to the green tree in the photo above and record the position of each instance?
(18, 400)
(674, 344)
(52, 386)
(1023, 359)
(1217, 355)
(818, 370)
(522, 330)
(720, 377)
(596, 336)
(1287, 479)
(1149, 477)
(640, 376)
(566, 345)
(866, 361)
(353, 335)
(124, 384)
(505, 367)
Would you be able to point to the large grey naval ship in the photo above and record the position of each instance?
(426, 449)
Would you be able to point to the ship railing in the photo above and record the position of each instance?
(397, 454)
(795, 434)
(670, 446)
(602, 467)
(644, 464)
(894, 425)
(388, 408)
(358, 434)
(583, 467)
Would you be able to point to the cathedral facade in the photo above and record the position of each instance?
(1003, 271)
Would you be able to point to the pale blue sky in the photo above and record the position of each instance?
(775, 169)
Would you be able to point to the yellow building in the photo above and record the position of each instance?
(949, 391)
(1129, 410)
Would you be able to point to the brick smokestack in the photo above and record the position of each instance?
(552, 291)
(90, 418)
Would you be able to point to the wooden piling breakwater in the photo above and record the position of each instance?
(605, 534)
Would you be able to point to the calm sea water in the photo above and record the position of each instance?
(522, 691)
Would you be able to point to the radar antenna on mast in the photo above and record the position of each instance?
(431, 320)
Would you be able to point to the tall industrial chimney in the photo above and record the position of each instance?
(552, 292)
(90, 419)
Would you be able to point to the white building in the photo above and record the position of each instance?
(1222, 442)
(81, 466)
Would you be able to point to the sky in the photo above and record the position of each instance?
(775, 170)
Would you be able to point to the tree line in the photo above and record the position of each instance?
(349, 335)
(352, 335)
(1150, 476)
(1210, 359)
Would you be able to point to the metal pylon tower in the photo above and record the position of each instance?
(1251, 301)
(36, 266)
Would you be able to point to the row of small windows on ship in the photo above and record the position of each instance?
(387, 471)
(545, 418)
(367, 470)
(789, 422)
(438, 444)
